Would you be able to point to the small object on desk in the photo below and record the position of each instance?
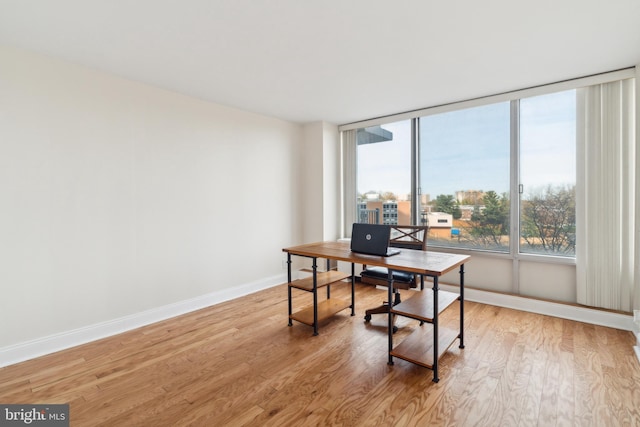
(372, 239)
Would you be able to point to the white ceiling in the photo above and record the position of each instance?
(334, 60)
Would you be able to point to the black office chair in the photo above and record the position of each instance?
(402, 236)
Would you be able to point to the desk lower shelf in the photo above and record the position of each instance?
(324, 278)
(420, 306)
(418, 347)
(326, 309)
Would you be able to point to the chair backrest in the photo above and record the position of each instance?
(409, 237)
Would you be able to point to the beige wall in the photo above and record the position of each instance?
(320, 173)
(117, 198)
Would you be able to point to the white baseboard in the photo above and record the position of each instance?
(39, 347)
(53, 343)
(564, 311)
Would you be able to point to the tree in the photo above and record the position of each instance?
(490, 224)
(447, 204)
(549, 220)
(388, 195)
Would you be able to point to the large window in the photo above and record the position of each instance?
(542, 181)
(471, 166)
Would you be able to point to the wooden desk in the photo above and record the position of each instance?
(424, 306)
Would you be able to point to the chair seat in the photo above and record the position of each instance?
(382, 273)
(402, 236)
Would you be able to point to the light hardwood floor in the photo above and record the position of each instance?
(238, 363)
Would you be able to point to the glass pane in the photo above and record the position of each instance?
(384, 174)
(548, 174)
(464, 177)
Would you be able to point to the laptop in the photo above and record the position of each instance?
(372, 239)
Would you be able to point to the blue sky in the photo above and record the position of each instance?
(469, 149)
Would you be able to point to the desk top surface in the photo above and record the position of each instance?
(416, 261)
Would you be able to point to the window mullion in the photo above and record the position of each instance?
(415, 173)
(514, 193)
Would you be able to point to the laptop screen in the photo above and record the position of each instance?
(372, 239)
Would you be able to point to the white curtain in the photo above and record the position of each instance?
(606, 196)
(349, 168)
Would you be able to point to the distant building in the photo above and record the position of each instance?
(467, 212)
(440, 224)
(390, 212)
(470, 197)
(439, 220)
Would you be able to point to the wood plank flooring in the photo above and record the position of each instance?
(238, 363)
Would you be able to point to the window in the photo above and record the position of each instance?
(384, 174)
(464, 177)
(497, 177)
(548, 174)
